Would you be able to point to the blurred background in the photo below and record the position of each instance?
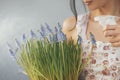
(20, 16)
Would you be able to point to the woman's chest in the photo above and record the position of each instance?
(97, 30)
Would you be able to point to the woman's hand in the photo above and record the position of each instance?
(114, 33)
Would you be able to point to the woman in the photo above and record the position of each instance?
(103, 20)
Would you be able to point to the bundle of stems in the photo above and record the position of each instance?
(51, 57)
(51, 61)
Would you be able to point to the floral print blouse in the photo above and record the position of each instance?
(104, 63)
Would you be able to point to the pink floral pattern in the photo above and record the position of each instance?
(104, 63)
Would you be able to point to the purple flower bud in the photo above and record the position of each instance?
(12, 53)
(42, 36)
(59, 26)
(42, 28)
(24, 37)
(18, 43)
(60, 36)
(49, 30)
(92, 39)
(64, 36)
(33, 35)
(79, 41)
(56, 29)
(16, 50)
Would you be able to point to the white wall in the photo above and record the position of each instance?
(20, 16)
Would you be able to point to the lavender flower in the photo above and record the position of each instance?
(42, 36)
(12, 50)
(60, 36)
(43, 30)
(12, 53)
(24, 37)
(49, 30)
(18, 43)
(51, 46)
(59, 26)
(56, 29)
(79, 41)
(33, 35)
(92, 39)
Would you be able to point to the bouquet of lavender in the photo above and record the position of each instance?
(49, 56)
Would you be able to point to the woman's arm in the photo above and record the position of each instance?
(69, 28)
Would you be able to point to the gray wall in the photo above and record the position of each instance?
(20, 16)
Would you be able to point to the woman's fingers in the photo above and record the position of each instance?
(111, 31)
(109, 27)
(116, 44)
(115, 39)
(114, 33)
